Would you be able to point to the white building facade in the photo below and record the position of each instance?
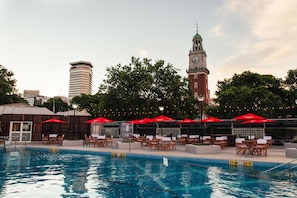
(80, 81)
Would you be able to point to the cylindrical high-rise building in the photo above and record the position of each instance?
(80, 81)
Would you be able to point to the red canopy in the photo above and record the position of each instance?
(211, 119)
(257, 121)
(99, 120)
(145, 120)
(186, 121)
(248, 116)
(134, 122)
(54, 120)
(162, 118)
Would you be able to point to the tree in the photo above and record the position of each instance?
(90, 103)
(290, 87)
(58, 103)
(138, 89)
(250, 92)
(8, 92)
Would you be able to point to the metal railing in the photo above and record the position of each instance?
(289, 168)
(10, 145)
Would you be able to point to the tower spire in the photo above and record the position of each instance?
(196, 28)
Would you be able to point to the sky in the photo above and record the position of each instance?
(39, 38)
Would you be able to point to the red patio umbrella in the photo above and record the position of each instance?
(186, 121)
(162, 118)
(54, 120)
(211, 119)
(99, 120)
(134, 122)
(146, 120)
(248, 116)
(257, 121)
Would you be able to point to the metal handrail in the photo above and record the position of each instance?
(6, 138)
(273, 168)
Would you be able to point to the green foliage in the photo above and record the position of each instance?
(8, 92)
(91, 103)
(58, 103)
(137, 90)
(264, 95)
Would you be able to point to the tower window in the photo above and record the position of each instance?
(195, 85)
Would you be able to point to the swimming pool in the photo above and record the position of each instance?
(68, 174)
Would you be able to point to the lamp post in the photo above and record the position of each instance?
(74, 106)
(161, 108)
(201, 99)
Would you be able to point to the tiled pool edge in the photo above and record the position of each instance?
(147, 156)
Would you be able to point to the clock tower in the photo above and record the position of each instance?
(197, 71)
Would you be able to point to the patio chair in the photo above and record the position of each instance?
(154, 144)
(93, 140)
(109, 141)
(172, 145)
(101, 141)
(261, 147)
(241, 147)
(60, 139)
(206, 139)
(192, 139)
(164, 144)
(269, 140)
(53, 138)
(181, 140)
(221, 142)
(45, 139)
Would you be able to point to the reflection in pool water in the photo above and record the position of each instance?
(44, 174)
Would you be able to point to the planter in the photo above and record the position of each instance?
(125, 145)
(72, 143)
(290, 145)
(291, 152)
(203, 149)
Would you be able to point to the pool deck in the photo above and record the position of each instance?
(275, 154)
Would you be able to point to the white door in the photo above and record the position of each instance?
(20, 131)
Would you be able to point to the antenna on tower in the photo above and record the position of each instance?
(197, 28)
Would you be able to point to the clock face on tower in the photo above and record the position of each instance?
(195, 59)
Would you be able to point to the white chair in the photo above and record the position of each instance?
(241, 147)
(206, 139)
(269, 140)
(149, 137)
(261, 147)
(135, 135)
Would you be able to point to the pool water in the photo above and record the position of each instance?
(65, 174)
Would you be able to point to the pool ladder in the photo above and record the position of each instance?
(10, 145)
(289, 168)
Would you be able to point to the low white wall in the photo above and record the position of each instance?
(203, 149)
(125, 145)
(290, 145)
(291, 152)
(72, 143)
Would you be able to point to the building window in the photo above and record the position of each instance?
(195, 85)
(195, 76)
(195, 94)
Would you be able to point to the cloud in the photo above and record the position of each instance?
(217, 31)
(269, 42)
